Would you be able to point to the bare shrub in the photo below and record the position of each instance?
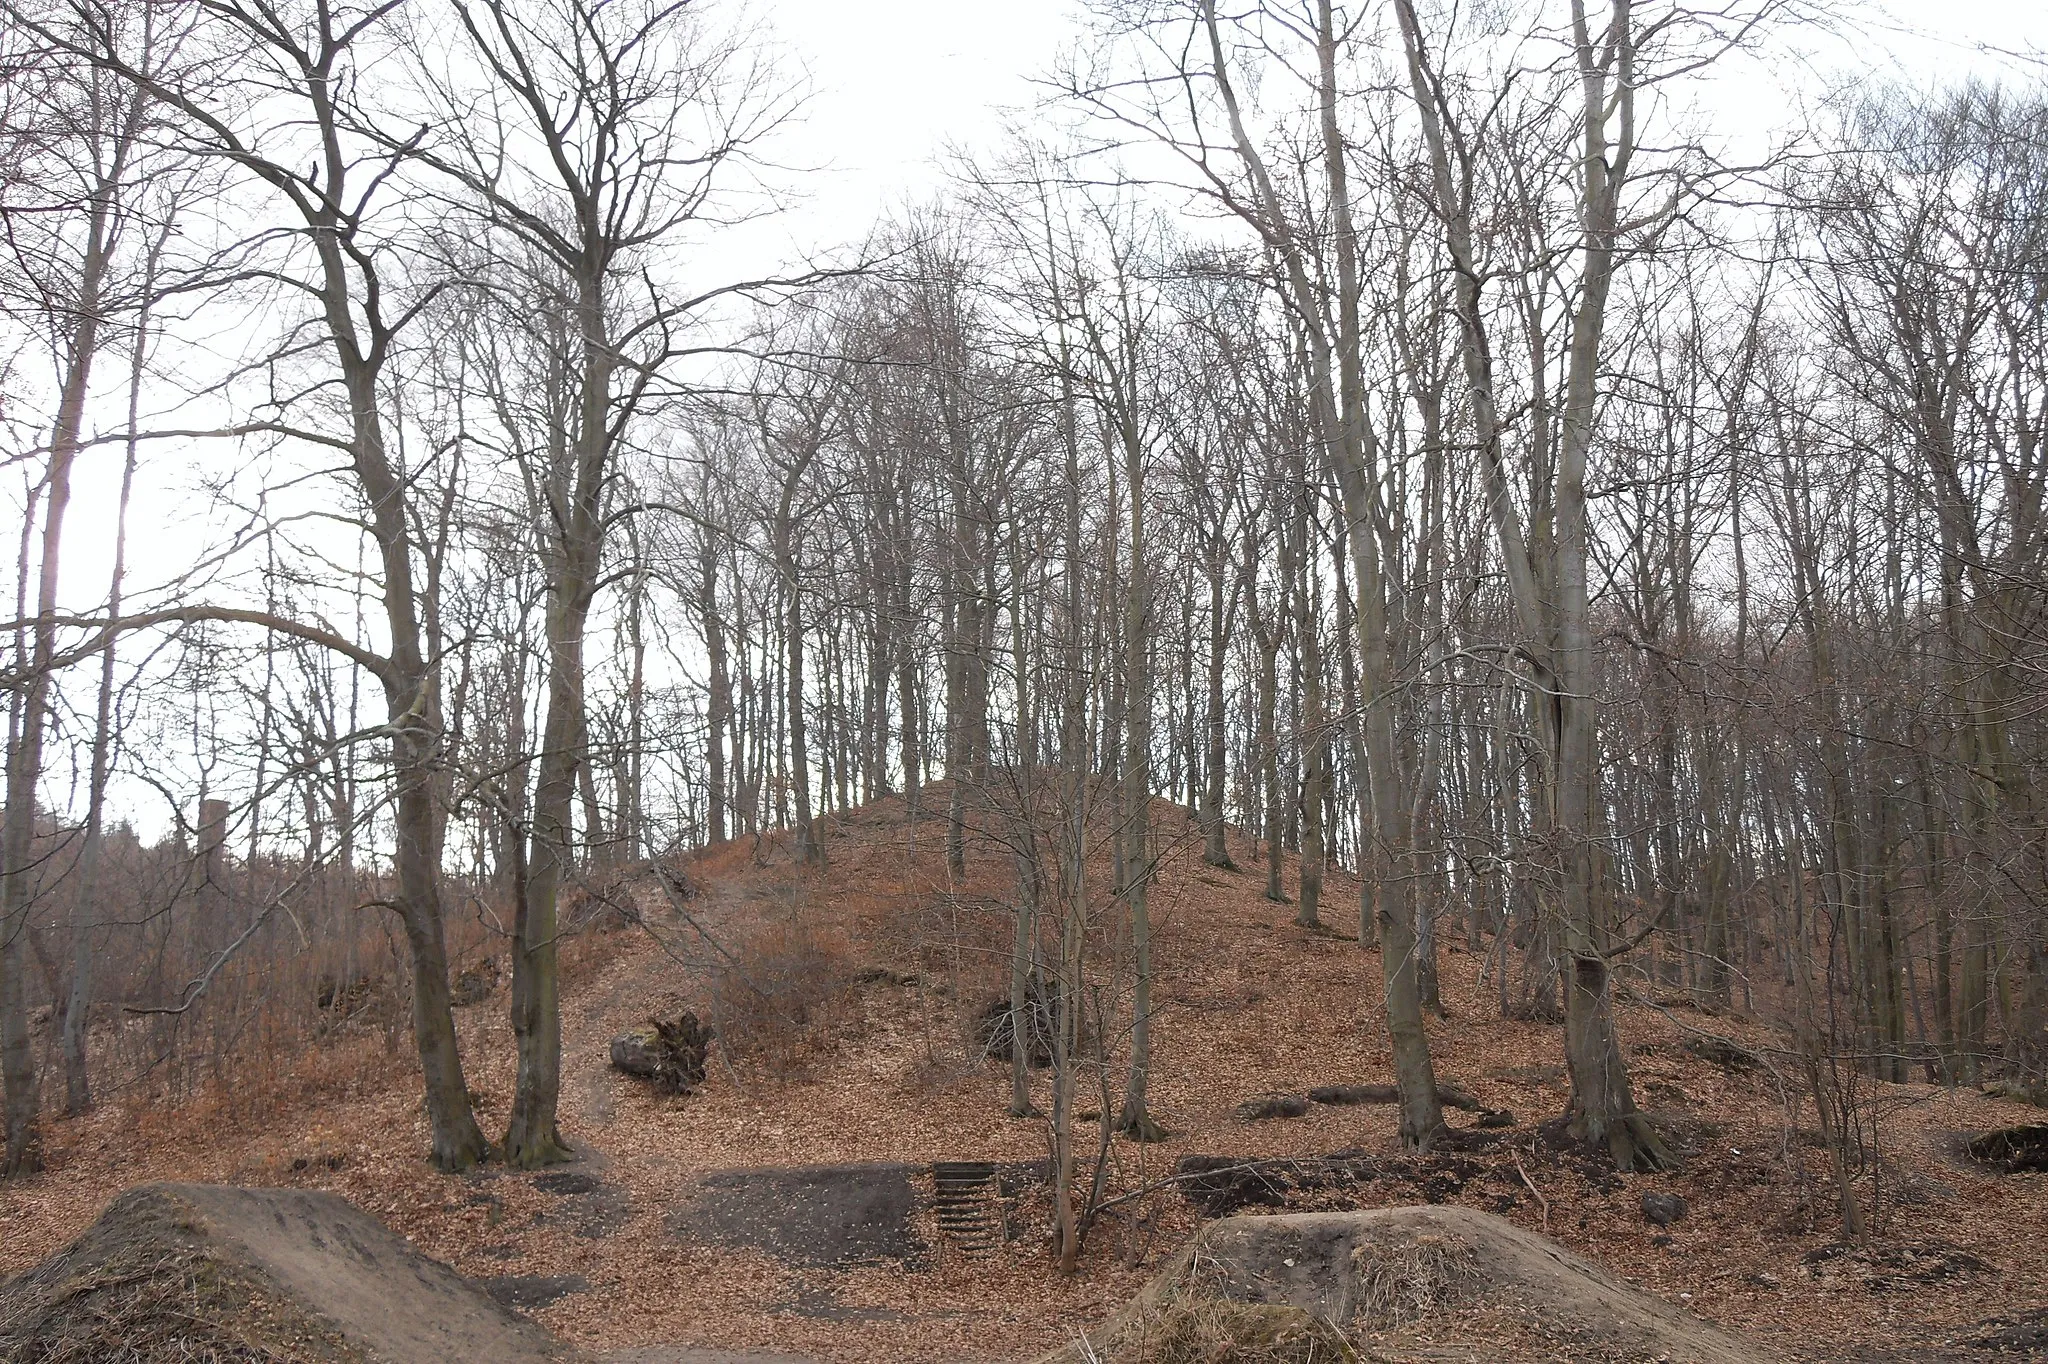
(782, 997)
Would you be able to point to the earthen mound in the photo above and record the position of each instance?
(222, 1275)
(1394, 1284)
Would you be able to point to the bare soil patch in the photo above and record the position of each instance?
(818, 1216)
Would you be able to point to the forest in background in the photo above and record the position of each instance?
(1396, 430)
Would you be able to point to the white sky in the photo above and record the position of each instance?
(897, 79)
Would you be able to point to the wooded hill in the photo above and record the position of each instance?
(1401, 442)
(849, 1058)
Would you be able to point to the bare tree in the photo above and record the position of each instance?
(84, 264)
(636, 118)
(340, 265)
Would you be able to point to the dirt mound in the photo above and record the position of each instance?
(196, 1272)
(1394, 1284)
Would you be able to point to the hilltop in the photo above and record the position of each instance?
(845, 996)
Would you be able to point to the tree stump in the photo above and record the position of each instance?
(667, 1053)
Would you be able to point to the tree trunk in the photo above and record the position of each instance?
(1310, 741)
(533, 1137)
(718, 701)
(78, 1000)
(1135, 1120)
(1337, 404)
(808, 849)
(1215, 755)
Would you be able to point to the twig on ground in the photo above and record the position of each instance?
(1541, 1201)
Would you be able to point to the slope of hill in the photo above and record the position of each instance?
(844, 998)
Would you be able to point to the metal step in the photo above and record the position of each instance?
(968, 1206)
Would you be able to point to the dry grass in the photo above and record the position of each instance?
(177, 1307)
(1407, 1275)
(781, 998)
(1198, 1329)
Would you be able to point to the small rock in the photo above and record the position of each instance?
(1662, 1209)
(1267, 1106)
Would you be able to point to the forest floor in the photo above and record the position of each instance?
(850, 1043)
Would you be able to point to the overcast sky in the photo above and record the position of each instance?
(896, 80)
